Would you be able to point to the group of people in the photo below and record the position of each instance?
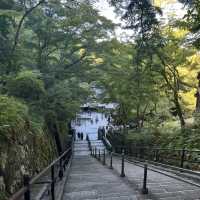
(80, 136)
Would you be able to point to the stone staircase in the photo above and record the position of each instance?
(90, 180)
(81, 148)
(98, 144)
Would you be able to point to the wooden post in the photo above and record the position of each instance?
(182, 158)
(122, 166)
(104, 157)
(111, 161)
(52, 183)
(60, 174)
(144, 188)
(27, 194)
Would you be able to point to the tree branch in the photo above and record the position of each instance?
(21, 23)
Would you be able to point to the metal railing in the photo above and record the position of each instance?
(107, 143)
(96, 153)
(54, 172)
(123, 156)
(183, 158)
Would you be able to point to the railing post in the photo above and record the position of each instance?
(182, 158)
(141, 153)
(60, 170)
(64, 167)
(144, 188)
(104, 157)
(99, 155)
(122, 166)
(65, 161)
(129, 151)
(156, 155)
(27, 194)
(52, 183)
(136, 152)
(111, 161)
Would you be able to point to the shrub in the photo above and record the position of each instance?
(27, 85)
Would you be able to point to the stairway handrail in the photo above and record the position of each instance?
(107, 143)
(33, 180)
(23, 190)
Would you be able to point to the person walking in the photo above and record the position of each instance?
(81, 136)
(78, 135)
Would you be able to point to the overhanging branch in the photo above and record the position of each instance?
(16, 39)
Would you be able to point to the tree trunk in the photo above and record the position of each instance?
(57, 139)
(179, 110)
(197, 95)
(53, 130)
(138, 116)
(143, 116)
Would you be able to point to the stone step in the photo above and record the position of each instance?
(82, 153)
(97, 141)
(91, 180)
(81, 146)
(81, 142)
(79, 149)
(97, 145)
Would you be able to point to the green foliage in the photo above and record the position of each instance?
(6, 4)
(27, 85)
(157, 78)
(140, 16)
(13, 116)
(141, 139)
(197, 119)
(20, 141)
(47, 62)
(192, 19)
